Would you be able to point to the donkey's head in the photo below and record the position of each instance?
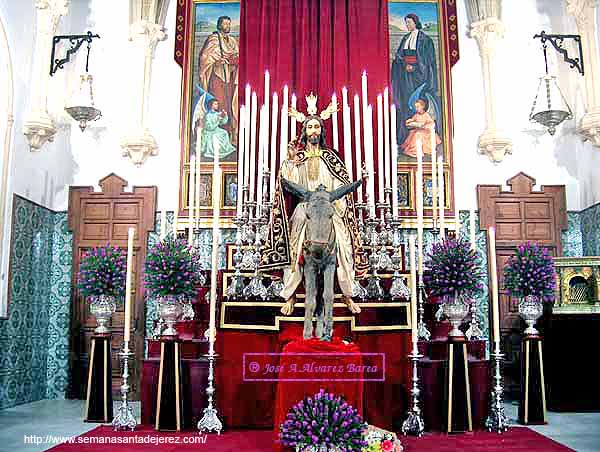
(319, 236)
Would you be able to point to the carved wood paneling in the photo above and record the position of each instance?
(100, 218)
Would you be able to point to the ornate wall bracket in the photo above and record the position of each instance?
(492, 142)
(139, 147)
(494, 145)
(39, 129)
(584, 12)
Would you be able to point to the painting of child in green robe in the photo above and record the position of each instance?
(215, 139)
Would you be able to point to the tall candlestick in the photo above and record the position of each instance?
(359, 195)
(267, 96)
(394, 163)
(419, 198)
(433, 174)
(347, 135)
(241, 160)
(472, 230)
(273, 146)
(252, 154)
(413, 288)
(442, 197)
(163, 224)
(380, 174)
(284, 126)
(386, 135)
(128, 277)
(197, 210)
(191, 199)
(334, 124)
(494, 285)
(365, 99)
(293, 122)
(368, 129)
(215, 249)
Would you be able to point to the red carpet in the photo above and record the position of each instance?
(103, 438)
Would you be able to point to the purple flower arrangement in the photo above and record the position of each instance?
(454, 268)
(172, 268)
(530, 271)
(323, 420)
(102, 272)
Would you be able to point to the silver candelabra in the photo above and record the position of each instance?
(497, 420)
(414, 425)
(422, 330)
(125, 420)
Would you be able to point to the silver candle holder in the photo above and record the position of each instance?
(474, 331)
(124, 419)
(374, 289)
(497, 420)
(236, 289)
(414, 425)
(399, 288)
(422, 331)
(210, 418)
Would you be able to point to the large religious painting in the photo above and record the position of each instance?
(210, 61)
(423, 47)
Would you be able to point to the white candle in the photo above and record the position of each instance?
(386, 136)
(267, 95)
(293, 122)
(128, 277)
(241, 160)
(191, 199)
(457, 223)
(380, 174)
(472, 229)
(368, 128)
(359, 196)
(494, 286)
(433, 174)
(273, 146)
(247, 124)
(365, 99)
(348, 136)
(175, 221)
(163, 224)
(334, 123)
(441, 196)
(413, 288)
(394, 164)
(261, 151)
(177, 198)
(419, 198)
(284, 126)
(215, 251)
(252, 155)
(197, 210)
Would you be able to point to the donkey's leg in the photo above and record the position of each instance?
(328, 295)
(311, 296)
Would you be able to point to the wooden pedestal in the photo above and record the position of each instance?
(170, 414)
(532, 402)
(98, 401)
(457, 400)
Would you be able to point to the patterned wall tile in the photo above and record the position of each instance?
(590, 230)
(572, 238)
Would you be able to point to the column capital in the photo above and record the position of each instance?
(148, 33)
(583, 11)
(487, 33)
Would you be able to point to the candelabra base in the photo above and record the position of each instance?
(413, 425)
(497, 420)
(210, 421)
(374, 289)
(124, 420)
(99, 402)
(236, 289)
(255, 289)
(457, 393)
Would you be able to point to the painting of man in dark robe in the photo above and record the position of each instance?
(414, 75)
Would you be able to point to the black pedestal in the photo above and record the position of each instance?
(170, 414)
(98, 400)
(532, 402)
(457, 394)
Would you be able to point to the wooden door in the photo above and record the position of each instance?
(96, 219)
(519, 215)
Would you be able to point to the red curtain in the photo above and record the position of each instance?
(314, 45)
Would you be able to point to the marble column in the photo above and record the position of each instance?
(144, 33)
(38, 126)
(584, 12)
(487, 29)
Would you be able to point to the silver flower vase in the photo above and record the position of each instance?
(455, 309)
(169, 310)
(531, 309)
(102, 307)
